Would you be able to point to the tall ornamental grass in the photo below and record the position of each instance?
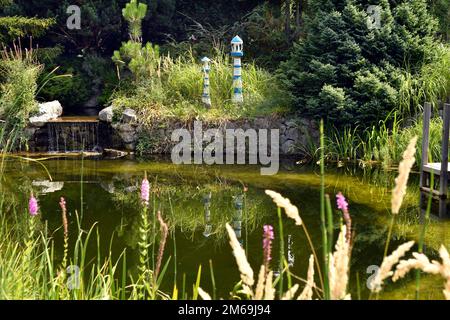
(431, 84)
(18, 86)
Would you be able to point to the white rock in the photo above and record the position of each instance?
(47, 186)
(106, 114)
(47, 111)
(50, 108)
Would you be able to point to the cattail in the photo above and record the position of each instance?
(62, 204)
(244, 267)
(145, 190)
(33, 206)
(162, 243)
(385, 270)
(403, 173)
(307, 292)
(339, 266)
(342, 205)
(267, 245)
(285, 203)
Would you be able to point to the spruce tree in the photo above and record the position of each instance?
(346, 69)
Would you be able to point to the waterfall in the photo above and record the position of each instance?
(66, 136)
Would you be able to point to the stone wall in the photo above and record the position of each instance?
(295, 133)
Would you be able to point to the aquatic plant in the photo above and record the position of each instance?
(145, 191)
(143, 243)
(343, 206)
(33, 207)
(62, 204)
(267, 245)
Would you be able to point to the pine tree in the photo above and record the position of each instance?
(133, 13)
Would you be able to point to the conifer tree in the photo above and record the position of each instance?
(348, 70)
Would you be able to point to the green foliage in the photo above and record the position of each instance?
(431, 84)
(351, 73)
(19, 27)
(71, 90)
(383, 143)
(133, 13)
(18, 88)
(176, 90)
(142, 61)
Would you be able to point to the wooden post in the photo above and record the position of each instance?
(443, 178)
(425, 145)
(425, 139)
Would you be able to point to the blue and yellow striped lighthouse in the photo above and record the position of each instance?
(206, 98)
(237, 53)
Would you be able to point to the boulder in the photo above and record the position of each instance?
(287, 147)
(129, 115)
(106, 114)
(128, 137)
(47, 111)
(50, 108)
(261, 123)
(292, 134)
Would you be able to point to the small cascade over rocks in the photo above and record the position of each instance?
(72, 136)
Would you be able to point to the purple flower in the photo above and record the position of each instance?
(267, 244)
(341, 202)
(343, 205)
(33, 207)
(145, 191)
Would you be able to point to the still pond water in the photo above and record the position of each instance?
(106, 193)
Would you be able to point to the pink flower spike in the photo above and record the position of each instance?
(33, 207)
(341, 202)
(267, 244)
(145, 191)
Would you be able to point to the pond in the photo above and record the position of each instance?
(106, 193)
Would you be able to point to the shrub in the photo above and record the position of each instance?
(341, 50)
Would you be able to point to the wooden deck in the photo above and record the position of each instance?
(434, 175)
(435, 167)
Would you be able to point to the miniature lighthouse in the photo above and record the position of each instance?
(206, 98)
(237, 53)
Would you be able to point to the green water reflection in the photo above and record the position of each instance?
(110, 199)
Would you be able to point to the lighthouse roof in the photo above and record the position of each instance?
(237, 39)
